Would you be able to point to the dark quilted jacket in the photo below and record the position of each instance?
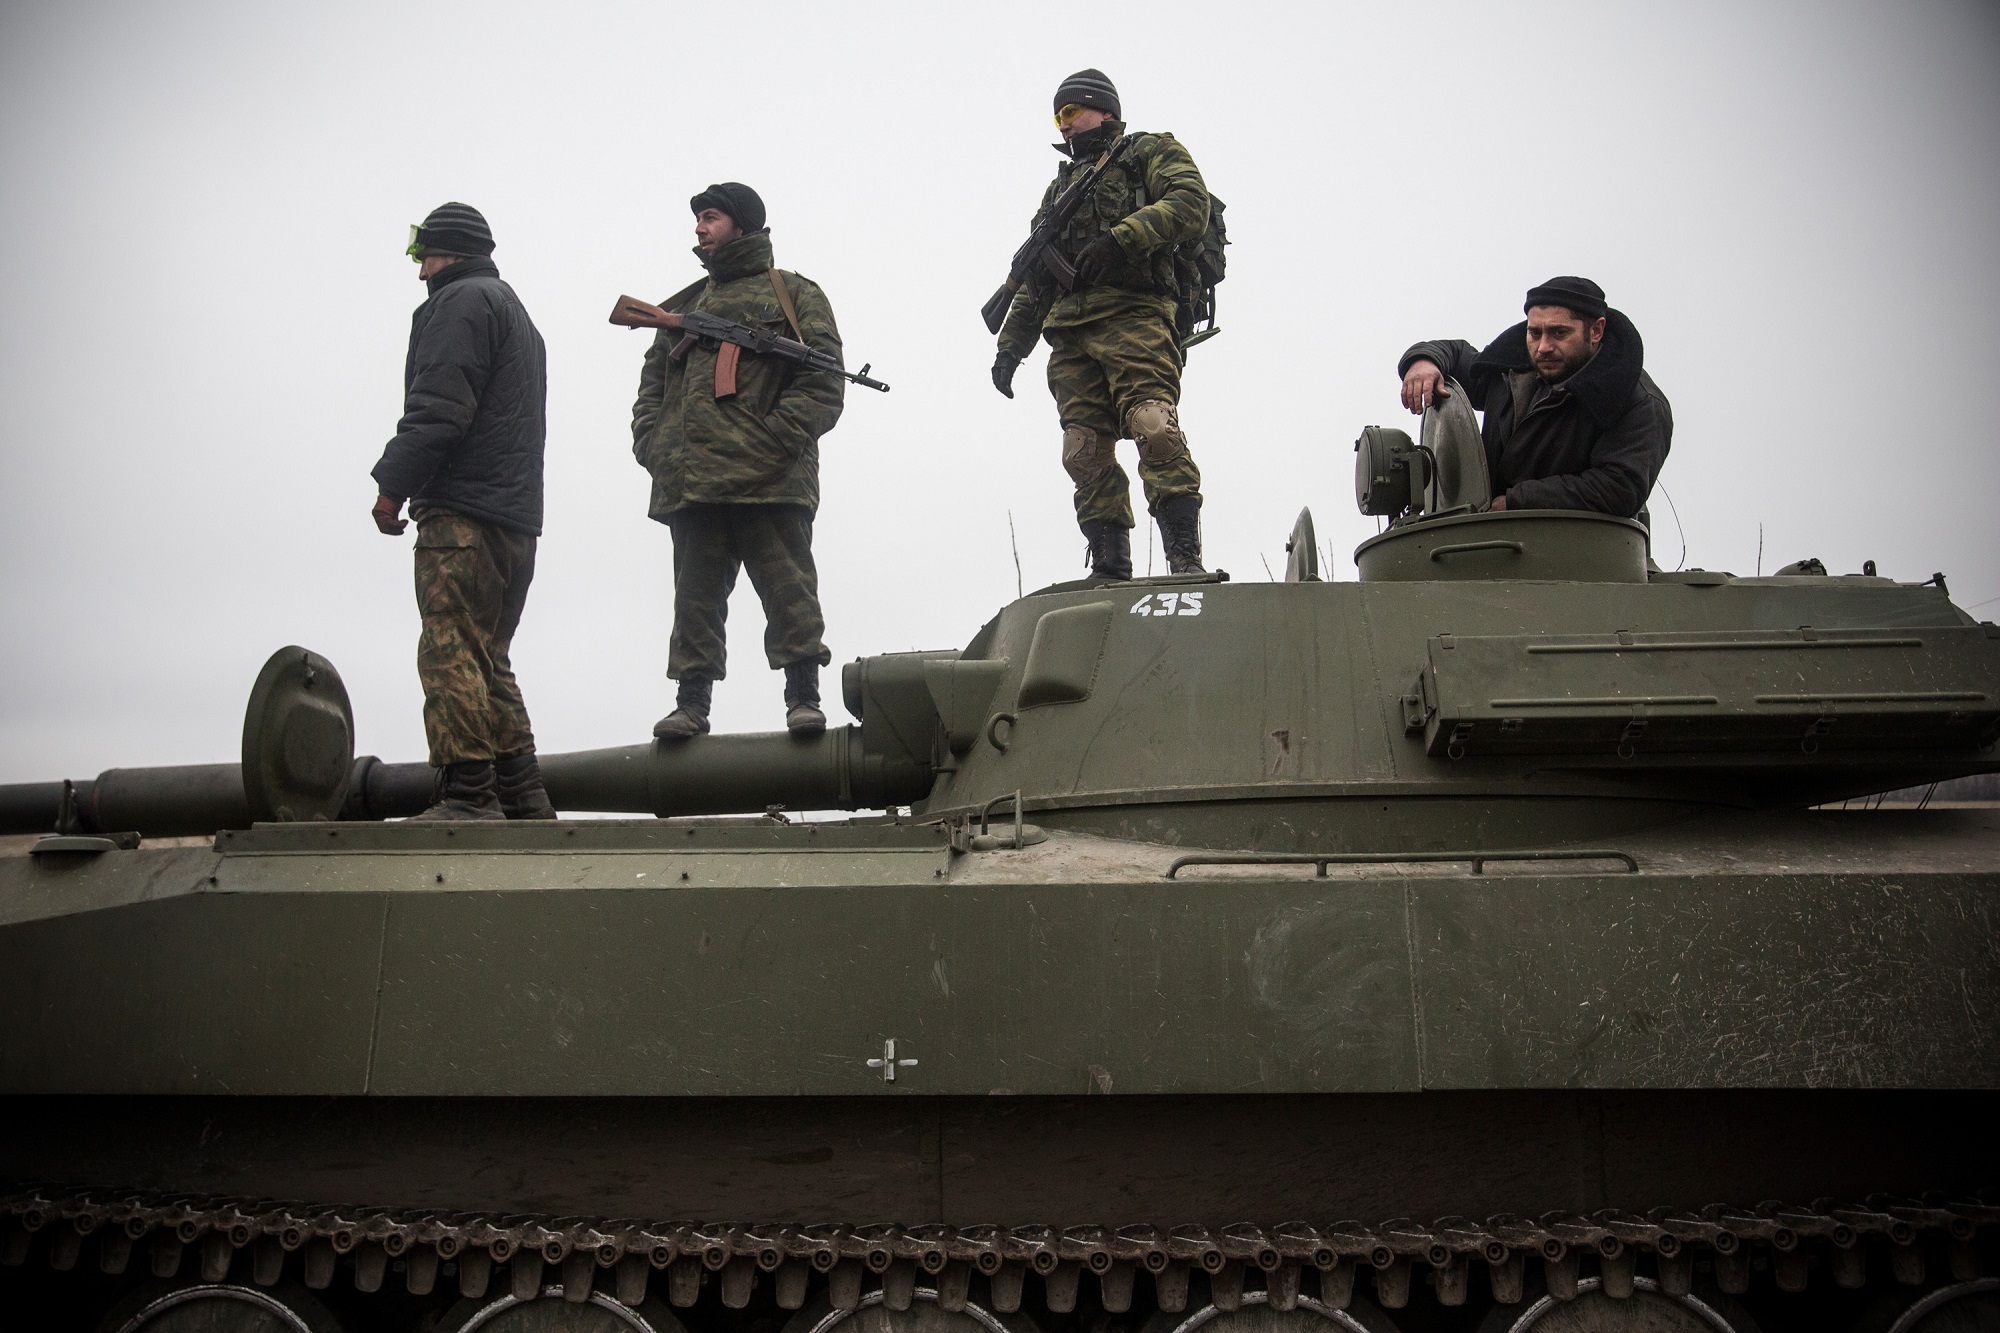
(475, 391)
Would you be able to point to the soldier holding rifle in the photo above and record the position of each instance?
(732, 442)
(1102, 285)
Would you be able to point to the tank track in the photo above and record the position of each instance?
(1834, 1237)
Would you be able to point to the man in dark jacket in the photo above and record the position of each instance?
(736, 477)
(468, 457)
(1572, 419)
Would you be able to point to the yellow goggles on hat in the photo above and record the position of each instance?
(416, 250)
(1069, 112)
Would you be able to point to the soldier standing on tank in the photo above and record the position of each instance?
(1115, 357)
(1572, 419)
(736, 479)
(467, 455)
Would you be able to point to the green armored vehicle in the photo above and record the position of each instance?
(1469, 947)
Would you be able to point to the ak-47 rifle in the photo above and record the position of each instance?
(1040, 247)
(730, 340)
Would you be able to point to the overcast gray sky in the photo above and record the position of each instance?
(206, 304)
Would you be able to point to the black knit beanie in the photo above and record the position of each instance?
(739, 201)
(1088, 87)
(455, 229)
(1582, 297)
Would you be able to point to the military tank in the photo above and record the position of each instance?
(1467, 947)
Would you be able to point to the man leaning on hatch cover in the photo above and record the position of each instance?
(1572, 419)
(1115, 355)
(736, 475)
(468, 457)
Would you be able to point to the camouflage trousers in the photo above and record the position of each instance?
(472, 583)
(1116, 379)
(774, 543)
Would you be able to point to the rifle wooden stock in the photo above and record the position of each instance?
(632, 313)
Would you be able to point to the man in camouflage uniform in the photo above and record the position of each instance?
(468, 457)
(1114, 355)
(736, 479)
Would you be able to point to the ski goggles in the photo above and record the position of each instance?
(416, 250)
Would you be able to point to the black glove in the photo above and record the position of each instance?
(1004, 366)
(1098, 261)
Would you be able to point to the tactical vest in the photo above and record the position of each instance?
(1187, 272)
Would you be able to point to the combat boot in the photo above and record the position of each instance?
(1110, 549)
(1180, 534)
(463, 791)
(802, 712)
(518, 779)
(690, 715)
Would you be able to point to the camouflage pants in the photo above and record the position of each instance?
(774, 543)
(472, 583)
(1099, 372)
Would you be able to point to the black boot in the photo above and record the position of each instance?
(802, 712)
(1180, 533)
(464, 791)
(518, 779)
(1110, 549)
(690, 715)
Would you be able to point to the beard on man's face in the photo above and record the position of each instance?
(1556, 365)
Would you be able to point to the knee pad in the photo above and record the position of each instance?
(1155, 426)
(1086, 455)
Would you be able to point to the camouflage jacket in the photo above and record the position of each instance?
(762, 445)
(1151, 199)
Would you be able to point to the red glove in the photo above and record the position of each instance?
(386, 509)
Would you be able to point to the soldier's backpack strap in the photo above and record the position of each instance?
(785, 303)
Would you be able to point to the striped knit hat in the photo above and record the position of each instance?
(1088, 87)
(455, 229)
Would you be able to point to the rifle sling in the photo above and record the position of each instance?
(785, 303)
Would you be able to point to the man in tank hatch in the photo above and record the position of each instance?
(1115, 353)
(468, 457)
(736, 477)
(1571, 418)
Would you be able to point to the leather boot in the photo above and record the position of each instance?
(690, 715)
(802, 712)
(1180, 534)
(1110, 549)
(518, 779)
(463, 791)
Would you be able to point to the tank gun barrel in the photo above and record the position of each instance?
(161, 802)
(710, 775)
(299, 764)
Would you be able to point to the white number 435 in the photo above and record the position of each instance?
(1163, 604)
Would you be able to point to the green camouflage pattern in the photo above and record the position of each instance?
(762, 445)
(1150, 199)
(472, 584)
(774, 543)
(1098, 373)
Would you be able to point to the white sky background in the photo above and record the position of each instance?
(206, 306)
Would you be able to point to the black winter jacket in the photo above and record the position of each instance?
(1596, 441)
(475, 392)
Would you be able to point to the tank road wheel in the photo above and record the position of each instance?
(1956, 1307)
(924, 1315)
(552, 1314)
(1646, 1310)
(1256, 1315)
(219, 1307)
